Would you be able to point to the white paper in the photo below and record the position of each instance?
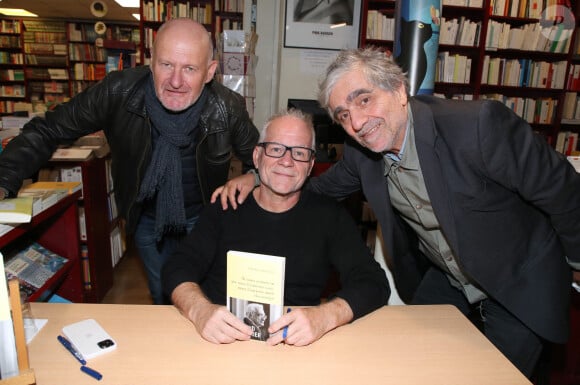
(32, 326)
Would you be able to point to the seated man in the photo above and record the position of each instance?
(314, 233)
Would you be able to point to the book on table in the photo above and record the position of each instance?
(255, 289)
(34, 266)
(16, 210)
(64, 187)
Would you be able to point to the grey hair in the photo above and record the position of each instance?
(378, 68)
(252, 309)
(295, 113)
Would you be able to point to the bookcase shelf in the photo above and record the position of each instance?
(59, 58)
(56, 229)
(215, 15)
(95, 245)
(554, 60)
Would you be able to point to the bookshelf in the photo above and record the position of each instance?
(44, 62)
(56, 229)
(155, 12)
(12, 86)
(508, 57)
(216, 15)
(228, 14)
(93, 55)
(96, 225)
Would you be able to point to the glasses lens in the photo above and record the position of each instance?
(301, 154)
(275, 150)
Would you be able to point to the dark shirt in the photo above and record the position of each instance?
(316, 236)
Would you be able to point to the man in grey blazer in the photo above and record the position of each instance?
(476, 210)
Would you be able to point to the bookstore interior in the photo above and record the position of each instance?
(61, 238)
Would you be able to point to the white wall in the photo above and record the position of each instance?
(282, 73)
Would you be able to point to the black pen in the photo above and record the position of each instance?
(66, 343)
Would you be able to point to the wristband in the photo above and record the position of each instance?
(256, 177)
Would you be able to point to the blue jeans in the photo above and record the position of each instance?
(153, 254)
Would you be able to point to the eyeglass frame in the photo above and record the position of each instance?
(286, 149)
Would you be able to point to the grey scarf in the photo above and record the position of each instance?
(163, 176)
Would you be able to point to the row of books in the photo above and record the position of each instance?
(9, 41)
(160, 10)
(460, 31)
(9, 26)
(46, 73)
(452, 68)
(43, 26)
(529, 37)
(11, 75)
(87, 52)
(11, 106)
(44, 37)
(571, 107)
(47, 87)
(567, 143)
(464, 3)
(229, 5)
(226, 23)
(45, 49)
(11, 58)
(13, 91)
(573, 80)
(47, 60)
(32, 199)
(380, 26)
(523, 73)
(88, 71)
(518, 8)
(534, 111)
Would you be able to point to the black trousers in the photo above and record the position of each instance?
(515, 340)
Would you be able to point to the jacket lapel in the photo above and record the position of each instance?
(432, 154)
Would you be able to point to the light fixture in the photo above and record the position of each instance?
(128, 3)
(16, 12)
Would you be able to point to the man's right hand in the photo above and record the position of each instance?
(3, 194)
(241, 186)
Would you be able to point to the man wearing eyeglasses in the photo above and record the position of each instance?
(314, 233)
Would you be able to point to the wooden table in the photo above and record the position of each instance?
(156, 345)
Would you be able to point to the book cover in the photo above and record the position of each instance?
(255, 289)
(34, 265)
(68, 187)
(16, 210)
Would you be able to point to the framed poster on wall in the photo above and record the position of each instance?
(322, 24)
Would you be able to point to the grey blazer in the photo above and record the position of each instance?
(508, 204)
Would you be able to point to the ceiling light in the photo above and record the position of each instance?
(16, 12)
(128, 3)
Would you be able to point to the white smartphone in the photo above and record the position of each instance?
(89, 338)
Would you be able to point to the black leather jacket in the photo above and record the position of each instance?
(117, 106)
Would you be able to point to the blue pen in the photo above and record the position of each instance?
(285, 332)
(92, 372)
(66, 343)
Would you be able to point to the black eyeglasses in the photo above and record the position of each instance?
(277, 150)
